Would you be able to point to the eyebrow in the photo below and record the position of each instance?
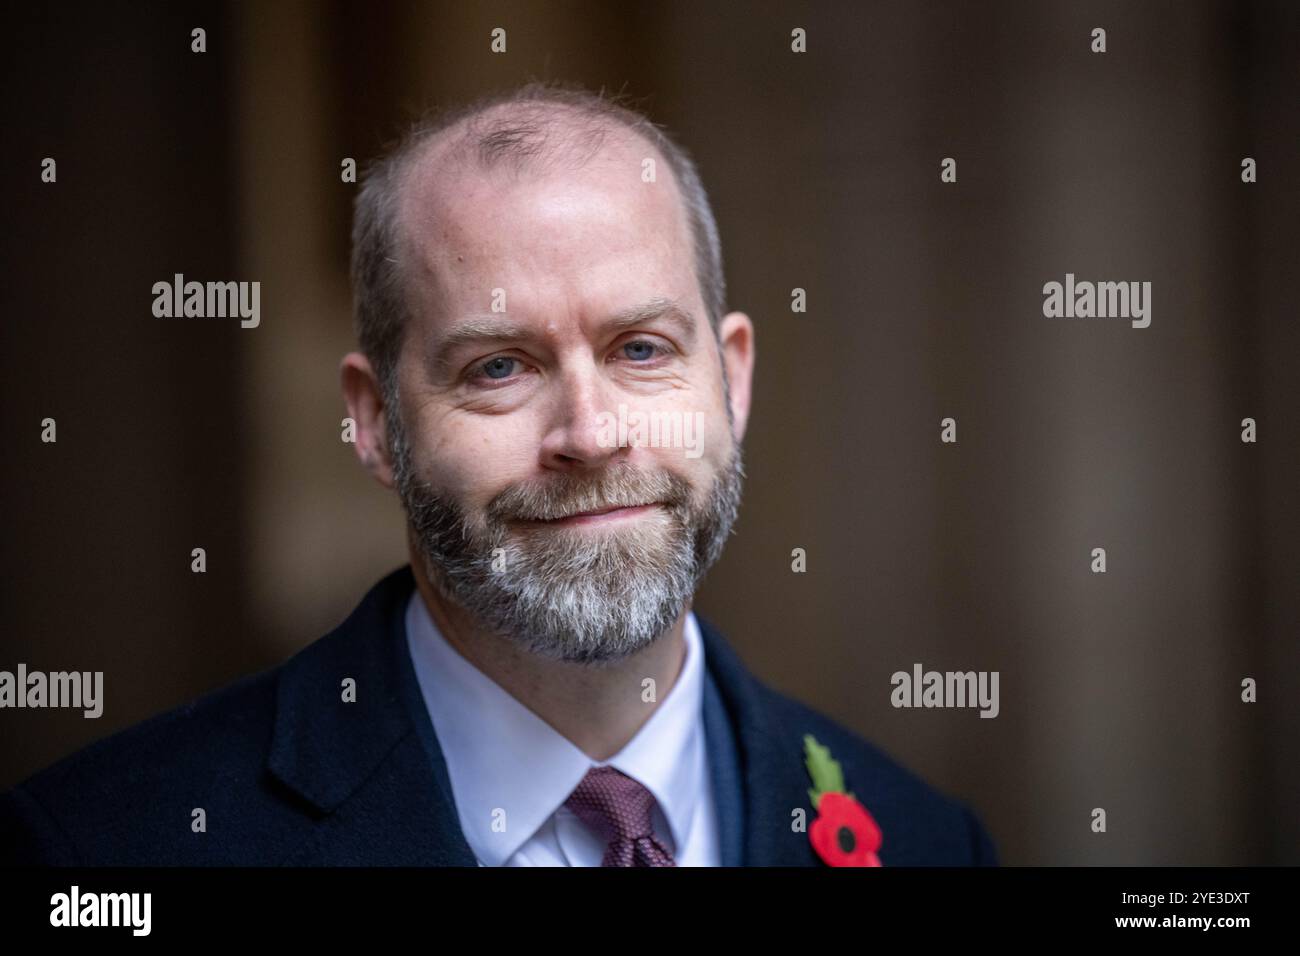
(482, 329)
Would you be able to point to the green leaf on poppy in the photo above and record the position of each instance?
(827, 777)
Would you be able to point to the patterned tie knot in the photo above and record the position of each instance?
(618, 808)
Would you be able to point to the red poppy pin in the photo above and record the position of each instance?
(843, 833)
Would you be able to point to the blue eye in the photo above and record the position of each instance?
(499, 367)
(640, 350)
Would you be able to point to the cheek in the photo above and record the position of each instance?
(473, 461)
(693, 441)
(684, 429)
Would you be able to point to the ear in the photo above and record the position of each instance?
(365, 402)
(736, 335)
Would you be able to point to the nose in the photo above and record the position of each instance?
(582, 430)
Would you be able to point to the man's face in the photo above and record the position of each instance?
(563, 448)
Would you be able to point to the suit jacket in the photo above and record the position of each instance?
(286, 773)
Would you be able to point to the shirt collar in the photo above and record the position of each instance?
(501, 757)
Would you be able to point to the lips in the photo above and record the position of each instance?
(596, 513)
(602, 511)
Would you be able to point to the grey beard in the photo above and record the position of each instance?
(559, 592)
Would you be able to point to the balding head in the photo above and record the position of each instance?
(534, 131)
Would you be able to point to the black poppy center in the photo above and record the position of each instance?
(845, 837)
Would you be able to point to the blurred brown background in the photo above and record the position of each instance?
(1118, 690)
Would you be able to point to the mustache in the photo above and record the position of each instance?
(567, 495)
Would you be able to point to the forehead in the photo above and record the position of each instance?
(573, 222)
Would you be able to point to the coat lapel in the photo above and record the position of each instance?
(724, 766)
(774, 780)
(371, 770)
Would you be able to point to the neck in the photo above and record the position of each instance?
(598, 708)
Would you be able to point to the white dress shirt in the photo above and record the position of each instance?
(511, 771)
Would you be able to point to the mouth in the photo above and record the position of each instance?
(613, 513)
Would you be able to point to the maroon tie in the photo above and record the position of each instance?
(618, 808)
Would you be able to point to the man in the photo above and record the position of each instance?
(550, 383)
